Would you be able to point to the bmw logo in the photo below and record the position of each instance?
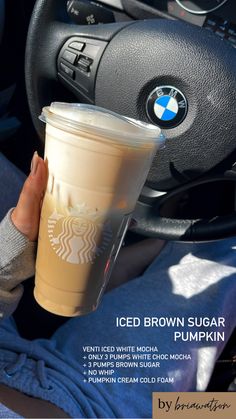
(166, 106)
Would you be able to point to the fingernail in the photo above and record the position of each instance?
(34, 163)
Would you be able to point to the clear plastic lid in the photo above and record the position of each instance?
(95, 120)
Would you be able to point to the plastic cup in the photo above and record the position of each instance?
(98, 162)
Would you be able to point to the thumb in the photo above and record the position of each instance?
(27, 212)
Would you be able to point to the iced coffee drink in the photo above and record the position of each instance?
(98, 162)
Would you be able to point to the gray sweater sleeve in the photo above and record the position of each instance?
(17, 262)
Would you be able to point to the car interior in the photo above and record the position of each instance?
(124, 55)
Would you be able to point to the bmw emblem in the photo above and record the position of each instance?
(166, 106)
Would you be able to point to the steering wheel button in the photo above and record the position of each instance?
(77, 45)
(84, 64)
(67, 70)
(69, 56)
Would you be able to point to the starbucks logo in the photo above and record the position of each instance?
(80, 236)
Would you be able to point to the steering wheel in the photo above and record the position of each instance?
(171, 73)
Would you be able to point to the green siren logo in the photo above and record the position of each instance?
(80, 236)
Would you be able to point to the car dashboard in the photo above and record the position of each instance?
(215, 15)
(218, 16)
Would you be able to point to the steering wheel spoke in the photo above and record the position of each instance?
(46, 61)
(77, 65)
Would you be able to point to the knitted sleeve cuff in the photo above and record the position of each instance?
(17, 255)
